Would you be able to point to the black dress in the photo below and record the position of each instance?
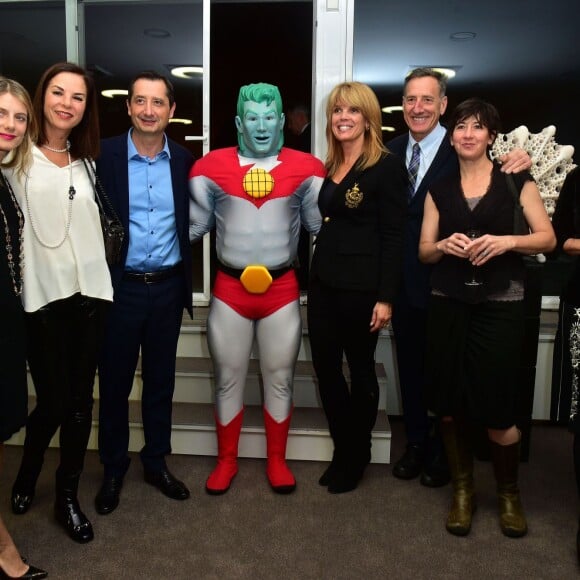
(474, 339)
(566, 360)
(13, 389)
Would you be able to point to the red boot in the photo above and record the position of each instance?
(228, 437)
(279, 476)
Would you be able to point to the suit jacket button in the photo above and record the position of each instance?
(326, 219)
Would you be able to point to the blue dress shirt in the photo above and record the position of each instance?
(153, 243)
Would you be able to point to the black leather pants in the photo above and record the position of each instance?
(64, 338)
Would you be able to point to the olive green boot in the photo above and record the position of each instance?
(506, 460)
(460, 458)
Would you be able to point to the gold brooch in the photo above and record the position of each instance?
(353, 197)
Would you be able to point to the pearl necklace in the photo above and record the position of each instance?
(65, 150)
(71, 194)
(16, 277)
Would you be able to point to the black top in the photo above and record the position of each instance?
(494, 214)
(360, 244)
(13, 388)
(7, 294)
(566, 222)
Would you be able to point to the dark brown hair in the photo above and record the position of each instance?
(151, 75)
(85, 137)
(483, 111)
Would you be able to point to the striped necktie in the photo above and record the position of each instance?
(413, 169)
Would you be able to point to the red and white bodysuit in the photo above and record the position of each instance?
(257, 206)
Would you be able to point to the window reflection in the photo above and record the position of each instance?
(150, 36)
(26, 49)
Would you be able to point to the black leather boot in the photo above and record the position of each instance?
(67, 510)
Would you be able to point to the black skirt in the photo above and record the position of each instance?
(473, 359)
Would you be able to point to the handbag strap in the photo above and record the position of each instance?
(518, 209)
(101, 197)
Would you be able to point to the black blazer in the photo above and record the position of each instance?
(113, 171)
(359, 246)
(416, 275)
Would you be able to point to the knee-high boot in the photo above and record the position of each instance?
(460, 459)
(279, 475)
(228, 437)
(67, 510)
(506, 460)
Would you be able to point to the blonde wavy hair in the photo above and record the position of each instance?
(362, 97)
(20, 158)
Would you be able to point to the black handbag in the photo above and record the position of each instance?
(113, 230)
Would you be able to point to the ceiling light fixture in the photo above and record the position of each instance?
(111, 93)
(449, 70)
(388, 129)
(182, 121)
(157, 33)
(462, 36)
(186, 72)
(392, 109)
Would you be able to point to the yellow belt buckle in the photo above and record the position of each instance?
(256, 279)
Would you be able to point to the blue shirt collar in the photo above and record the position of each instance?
(132, 152)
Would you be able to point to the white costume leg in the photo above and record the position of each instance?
(230, 337)
(278, 337)
(279, 342)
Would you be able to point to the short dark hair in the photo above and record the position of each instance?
(85, 137)
(483, 111)
(151, 75)
(422, 72)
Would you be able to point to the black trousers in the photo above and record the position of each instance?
(410, 329)
(147, 318)
(63, 338)
(339, 325)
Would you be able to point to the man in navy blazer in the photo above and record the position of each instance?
(424, 101)
(145, 175)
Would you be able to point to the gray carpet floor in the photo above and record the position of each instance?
(387, 528)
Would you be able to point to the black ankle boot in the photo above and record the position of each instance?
(67, 510)
(70, 516)
(20, 501)
(578, 542)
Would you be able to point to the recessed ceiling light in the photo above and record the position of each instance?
(462, 36)
(448, 72)
(182, 121)
(388, 129)
(186, 72)
(157, 33)
(392, 109)
(111, 93)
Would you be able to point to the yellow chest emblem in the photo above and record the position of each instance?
(258, 183)
(353, 197)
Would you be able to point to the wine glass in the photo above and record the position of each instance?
(473, 234)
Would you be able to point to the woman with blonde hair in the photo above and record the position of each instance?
(354, 276)
(17, 131)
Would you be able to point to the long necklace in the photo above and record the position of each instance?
(15, 275)
(71, 194)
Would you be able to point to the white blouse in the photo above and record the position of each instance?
(52, 271)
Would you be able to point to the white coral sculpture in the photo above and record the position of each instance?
(551, 162)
